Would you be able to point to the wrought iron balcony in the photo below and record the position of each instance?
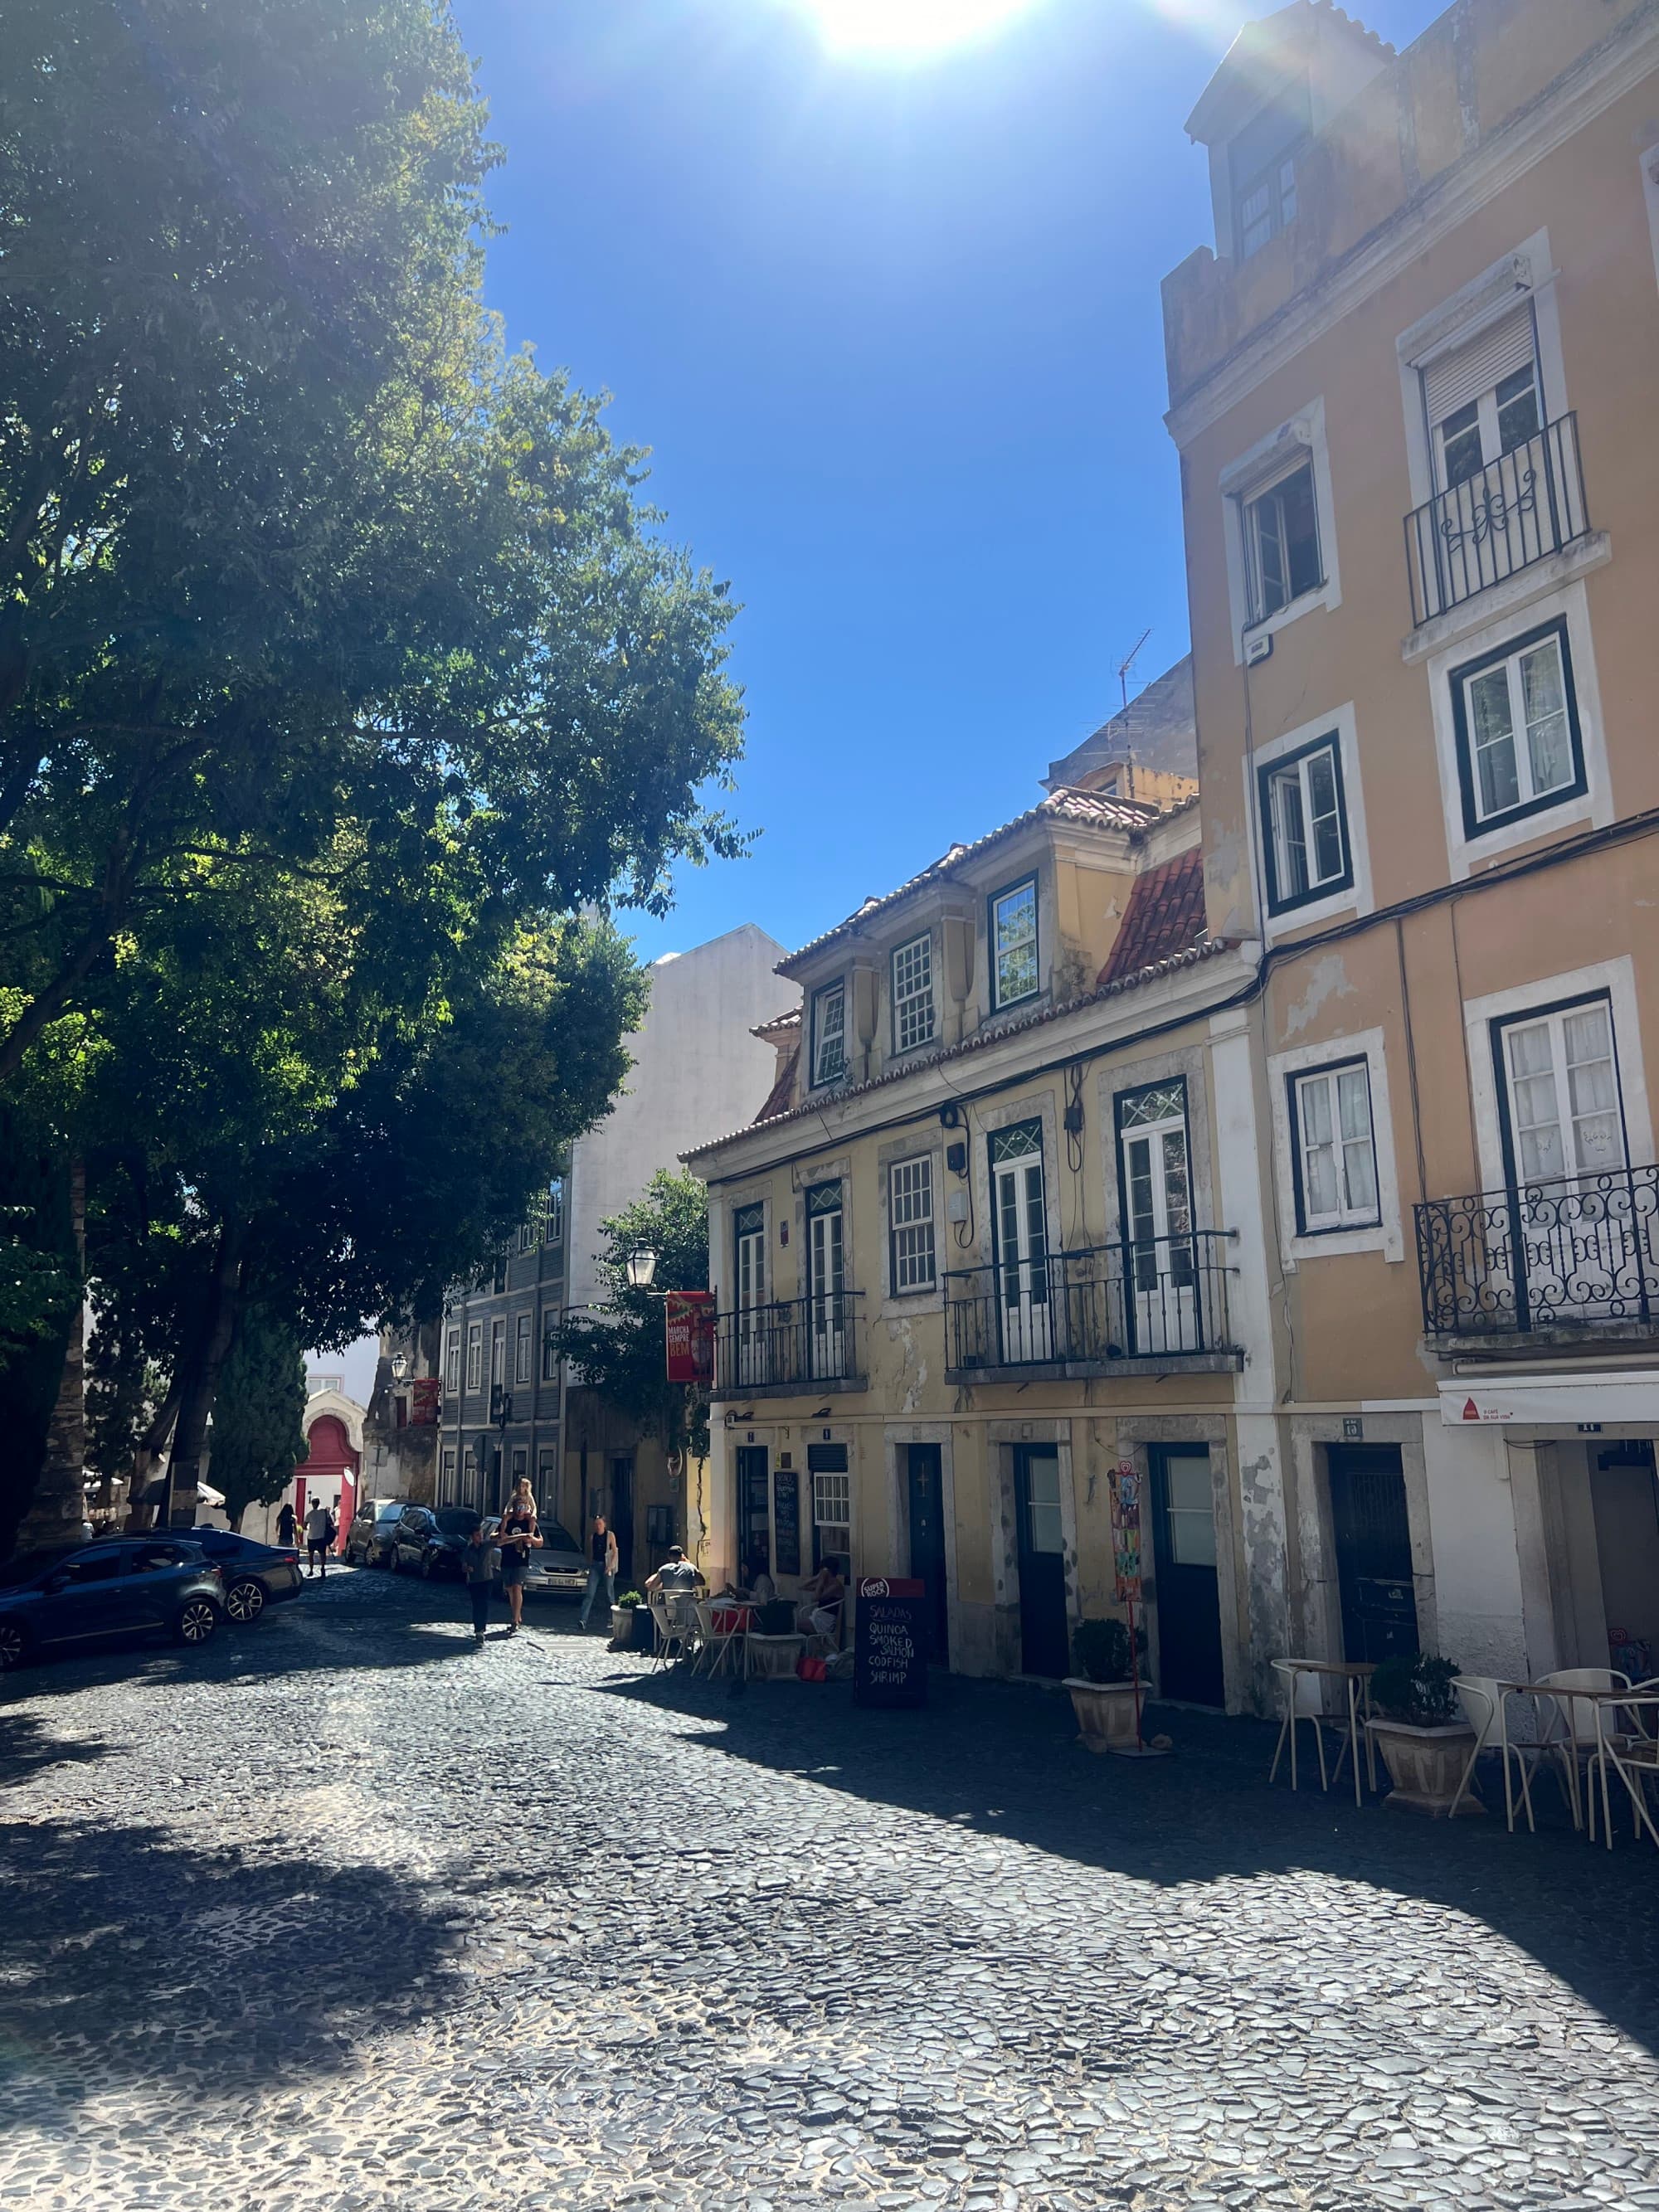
(1522, 507)
(1163, 1299)
(1574, 1255)
(790, 1344)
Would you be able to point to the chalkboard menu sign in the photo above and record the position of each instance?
(785, 1520)
(890, 1643)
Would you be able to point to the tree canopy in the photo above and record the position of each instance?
(259, 1427)
(345, 676)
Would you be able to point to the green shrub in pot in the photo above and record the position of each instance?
(629, 1600)
(1101, 1650)
(1416, 1687)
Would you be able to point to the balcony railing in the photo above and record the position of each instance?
(1569, 1255)
(1520, 509)
(790, 1342)
(1161, 1297)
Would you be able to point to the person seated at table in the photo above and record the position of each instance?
(817, 1608)
(761, 1587)
(675, 1575)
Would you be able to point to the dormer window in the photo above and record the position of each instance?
(1263, 162)
(1014, 971)
(829, 1035)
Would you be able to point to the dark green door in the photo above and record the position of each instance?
(754, 1516)
(1373, 1551)
(1042, 1627)
(927, 1543)
(1183, 1556)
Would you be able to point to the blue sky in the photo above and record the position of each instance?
(893, 335)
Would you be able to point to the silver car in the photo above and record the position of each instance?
(558, 1570)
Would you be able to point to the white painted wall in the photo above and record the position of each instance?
(698, 1074)
(1477, 1556)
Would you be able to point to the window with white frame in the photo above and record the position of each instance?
(1519, 746)
(550, 1344)
(913, 994)
(830, 1034)
(446, 1488)
(1281, 541)
(497, 1354)
(547, 1476)
(1015, 974)
(523, 1329)
(474, 1354)
(451, 1363)
(1333, 1149)
(1304, 826)
(832, 1504)
(910, 1224)
(554, 1229)
(1484, 399)
(528, 1231)
(1563, 1111)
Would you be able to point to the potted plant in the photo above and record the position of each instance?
(1419, 1726)
(1104, 1688)
(628, 1615)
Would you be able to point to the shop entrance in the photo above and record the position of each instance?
(1043, 1630)
(1184, 1557)
(1625, 1498)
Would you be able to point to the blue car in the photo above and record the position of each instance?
(82, 1594)
(256, 1575)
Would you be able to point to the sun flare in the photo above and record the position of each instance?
(908, 27)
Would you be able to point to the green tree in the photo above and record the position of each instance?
(619, 1348)
(258, 1434)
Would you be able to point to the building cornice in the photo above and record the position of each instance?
(1582, 92)
(1189, 987)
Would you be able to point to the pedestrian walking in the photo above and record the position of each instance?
(518, 1535)
(285, 1523)
(319, 1535)
(603, 1559)
(480, 1563)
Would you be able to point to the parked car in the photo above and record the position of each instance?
(256, 1575)
(369, 1540)
(430, 1543)
(558, 1570)
(79, 1594)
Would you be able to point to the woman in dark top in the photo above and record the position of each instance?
(519, 1534)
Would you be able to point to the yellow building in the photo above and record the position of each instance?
(996, 1234)
(1414, 389)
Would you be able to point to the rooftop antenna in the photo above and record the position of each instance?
(1127, 663)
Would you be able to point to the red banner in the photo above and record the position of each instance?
(425, 1393)
(688, 1318)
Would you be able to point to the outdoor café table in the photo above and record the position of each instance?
(732, 1620)
(1355, 1674)
(1567, 1741)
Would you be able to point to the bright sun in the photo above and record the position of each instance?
(907, 27)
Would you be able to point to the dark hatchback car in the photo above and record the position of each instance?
(431, 1544)
(369, 1540)
(81, 1594)
(256, 1575)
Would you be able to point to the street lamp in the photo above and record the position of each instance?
(641, 1267)
(399, 1366)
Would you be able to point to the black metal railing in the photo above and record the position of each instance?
(1559, 1254)
(1163, 1297)
(1520, 509)
(790, 1340)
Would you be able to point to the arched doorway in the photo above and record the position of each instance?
(330, 1472)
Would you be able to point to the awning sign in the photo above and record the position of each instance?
(1553, 1401)
(689, 1323)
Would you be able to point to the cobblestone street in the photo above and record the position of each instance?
(342, 1913)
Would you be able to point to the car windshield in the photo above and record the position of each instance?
(558, 1539)
(392, 1513)
(457, 1521)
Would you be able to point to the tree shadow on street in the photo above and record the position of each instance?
(27, 1748)
(129, 1957)
(1003, 1760)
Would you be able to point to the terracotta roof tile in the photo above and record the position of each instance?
(1164, 916)
(778, 1097)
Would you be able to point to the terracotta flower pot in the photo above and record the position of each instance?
(1425, 1765)
(1105, 1712)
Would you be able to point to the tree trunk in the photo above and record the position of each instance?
(57, 1512)
(145, 1460)
(200, 1381)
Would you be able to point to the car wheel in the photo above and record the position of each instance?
(245, 1602)
(196, 1622)
(14, 1646)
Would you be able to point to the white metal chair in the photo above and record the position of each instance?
(1304, 1700)
(1632, 1751)
(676, 1617)
(721, 1642)
(1484, 1706)
(1569, 1727)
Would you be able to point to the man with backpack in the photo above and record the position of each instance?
(319, 1536)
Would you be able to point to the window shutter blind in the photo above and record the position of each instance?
(1457, 378)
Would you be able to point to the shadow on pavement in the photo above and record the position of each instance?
(27, 1749)
(1003, 1759)
(127, 1956)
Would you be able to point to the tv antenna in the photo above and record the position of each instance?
(1127, 663)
